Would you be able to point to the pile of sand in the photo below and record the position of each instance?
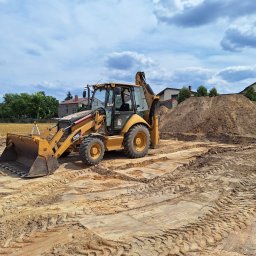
(162, 111)
(229, 114)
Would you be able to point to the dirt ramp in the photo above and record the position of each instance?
(229, 114)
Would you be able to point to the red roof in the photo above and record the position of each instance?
(75, 101)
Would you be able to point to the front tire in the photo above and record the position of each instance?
(92, 150)
(137, 141)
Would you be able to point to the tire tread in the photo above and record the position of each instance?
(84, 154)
(128, 139)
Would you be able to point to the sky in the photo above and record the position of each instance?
(58, 46)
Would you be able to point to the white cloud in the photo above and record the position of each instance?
(62, 45)
(240, 34)
(128, 60)
(238, 73)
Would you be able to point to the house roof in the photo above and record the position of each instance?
(160, 93)
(245, 89)
(169, 88)
(75, 101)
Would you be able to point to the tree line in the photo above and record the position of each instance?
(250, 93)
(201, 91)
(28, 106)
(185, 93)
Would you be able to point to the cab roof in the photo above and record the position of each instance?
(115, 84)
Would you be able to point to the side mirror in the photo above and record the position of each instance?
(84, 93)
(117, 91)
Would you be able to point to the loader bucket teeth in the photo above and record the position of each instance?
(22, 157)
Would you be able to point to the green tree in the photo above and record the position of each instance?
(24, 105)
(16, 105)
(3, 111)
(39, 106)
(52, 107)
(201, 91)
(69, 96)
(250, 93)
(183, 94)
(213, 92)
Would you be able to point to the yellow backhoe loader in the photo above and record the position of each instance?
(121, 117)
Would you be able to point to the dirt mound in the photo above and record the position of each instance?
(162, 111)
(229, 114)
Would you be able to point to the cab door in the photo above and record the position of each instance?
(123, 107)
(103, 98)
(109, 107)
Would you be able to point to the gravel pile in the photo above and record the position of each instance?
(229, 114)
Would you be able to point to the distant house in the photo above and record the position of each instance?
(169, 96)
(68, 107)
(252, 85)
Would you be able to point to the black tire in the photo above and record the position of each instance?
(86, 150)
(130, 148)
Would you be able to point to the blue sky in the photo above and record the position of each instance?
(62, 45)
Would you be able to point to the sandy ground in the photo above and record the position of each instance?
(184, 198)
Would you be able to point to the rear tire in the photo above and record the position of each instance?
(92, 150)
(137, 141)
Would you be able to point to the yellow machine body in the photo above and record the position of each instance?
(36, 155)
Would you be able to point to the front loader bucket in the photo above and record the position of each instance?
(28, 156)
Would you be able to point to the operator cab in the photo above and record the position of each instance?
(120, 102)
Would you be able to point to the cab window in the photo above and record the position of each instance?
(140, 99)
(99, 98)
(123, 102)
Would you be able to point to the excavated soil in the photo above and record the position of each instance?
(184, 198)
(230, 115)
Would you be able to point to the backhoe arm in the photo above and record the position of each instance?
(148, 92)
(152, 100)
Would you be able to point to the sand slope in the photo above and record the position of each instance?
(231, 114)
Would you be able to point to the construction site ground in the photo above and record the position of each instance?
(184, 198)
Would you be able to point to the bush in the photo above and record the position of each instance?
(250, 93)
(201, 91)
(213, 92)
(183, 94)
